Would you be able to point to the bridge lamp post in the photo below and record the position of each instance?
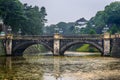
(93, 25)
(19, 31)
(9, 29)
(56, 29)
(105, 29)
(2, 27)
(1, 21)
(60, 31)
(45, 30)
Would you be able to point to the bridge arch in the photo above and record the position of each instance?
(20, 48)
(68, 45)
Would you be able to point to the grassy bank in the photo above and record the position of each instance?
(86, 48)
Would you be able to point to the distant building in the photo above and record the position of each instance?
(81, 23)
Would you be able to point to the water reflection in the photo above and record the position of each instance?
(59, 68)
(57, 73)
(19, 68)
(8, 63)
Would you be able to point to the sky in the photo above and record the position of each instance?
(69, 10)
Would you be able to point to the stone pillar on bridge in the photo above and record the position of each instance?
(106, 44)
(8, 44)
(56, 44)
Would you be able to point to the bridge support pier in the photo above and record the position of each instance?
(8, 45)
(106, 44)
(56, 44)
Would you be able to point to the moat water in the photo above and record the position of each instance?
(72, 66)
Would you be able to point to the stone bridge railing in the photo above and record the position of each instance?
(37, 37)
(84, 36)
(87, 36)
(32, 37)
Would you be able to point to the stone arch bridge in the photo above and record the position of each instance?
(107, 44)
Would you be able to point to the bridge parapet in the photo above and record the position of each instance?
(32, 37)
(83, 36)
(112, 36)
(117, 35)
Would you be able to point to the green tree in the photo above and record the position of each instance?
(30, 19)
(110, 17)
(11, 11)
(66, 28)
(35, 20)
(113, 11)
(92, 31)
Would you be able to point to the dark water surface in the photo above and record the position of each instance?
(59, 68)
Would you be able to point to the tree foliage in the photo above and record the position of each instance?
(63, 28)
(110, 16)
(30, 19)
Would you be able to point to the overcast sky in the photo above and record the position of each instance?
(69, 10)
